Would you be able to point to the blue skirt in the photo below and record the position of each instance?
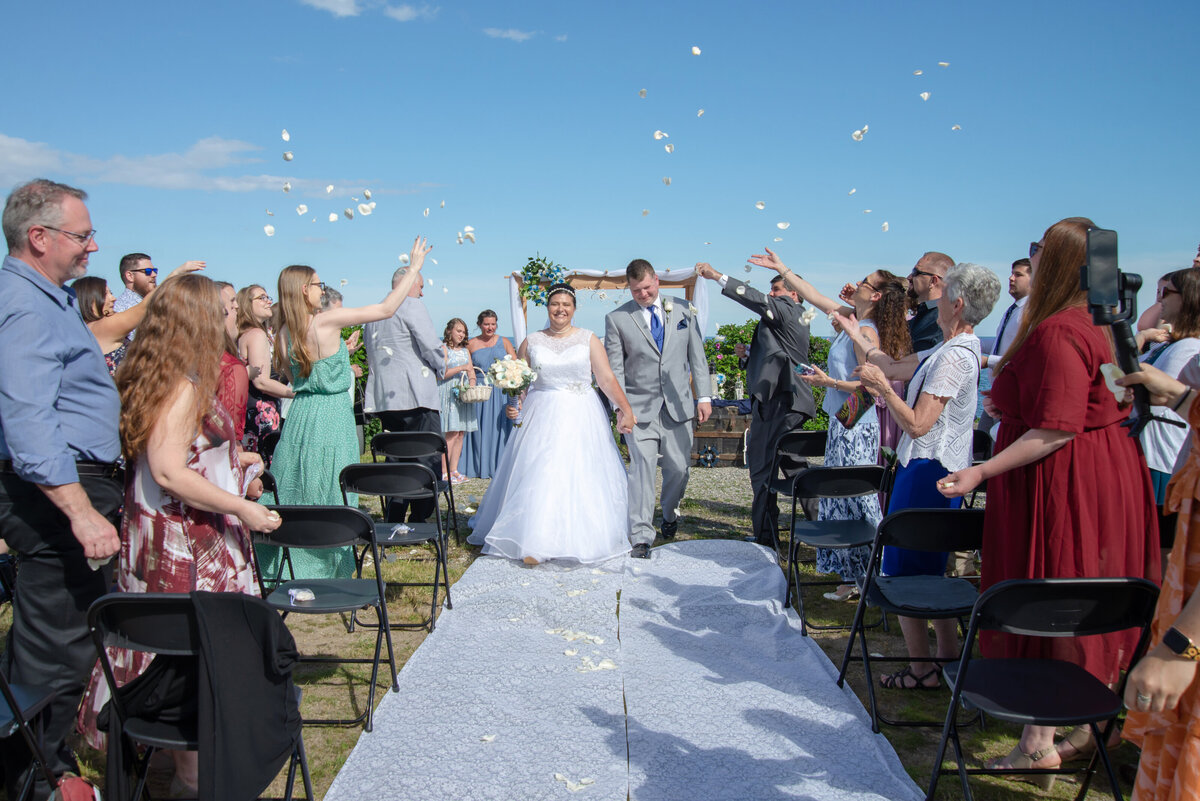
(916, 488)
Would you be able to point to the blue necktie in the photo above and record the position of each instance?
(656, 328)
(1000, 333)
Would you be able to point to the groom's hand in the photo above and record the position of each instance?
(703, 411)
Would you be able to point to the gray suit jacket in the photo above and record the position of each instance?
(652, 380)
(780, 342)
(397, 349)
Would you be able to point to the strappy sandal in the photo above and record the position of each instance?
(898, 680)
(1080, 739)
(1018, 760)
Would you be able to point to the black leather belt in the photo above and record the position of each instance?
(83, 468)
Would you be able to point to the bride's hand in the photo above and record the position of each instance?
(625, 421)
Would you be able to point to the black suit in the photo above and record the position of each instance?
(779, 401)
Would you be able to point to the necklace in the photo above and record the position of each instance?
(566, 332)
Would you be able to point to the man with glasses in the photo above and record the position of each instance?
(925, 288)
(139, 276)
(60, 487)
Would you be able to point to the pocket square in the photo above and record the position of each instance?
(682, 325)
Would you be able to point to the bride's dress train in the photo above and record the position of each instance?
(560, 489)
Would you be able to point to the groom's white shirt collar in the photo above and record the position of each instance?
(646, 310)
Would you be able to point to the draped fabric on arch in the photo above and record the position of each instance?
(671, 281)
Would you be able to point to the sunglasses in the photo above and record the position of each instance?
(1034, 247)
(915, 271)
(1166, 290)
(865, 282)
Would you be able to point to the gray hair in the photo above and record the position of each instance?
(396, 276)
(329, 297)
(977, 286)
(38, 202)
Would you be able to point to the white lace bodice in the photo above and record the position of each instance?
(561, 364)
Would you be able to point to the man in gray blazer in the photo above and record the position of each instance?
(779, 401)
(405, 357)
(656, 350)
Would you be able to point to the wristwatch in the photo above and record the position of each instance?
(1181, 645)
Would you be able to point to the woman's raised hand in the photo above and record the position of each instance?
(768, 260)
(847, 293)
(1164, 390)
(872, 378)
(187, 267)
(848, 324)
(416, 256)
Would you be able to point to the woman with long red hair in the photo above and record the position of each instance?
(186, 524)
(1069, 494)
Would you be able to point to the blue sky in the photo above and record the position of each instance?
(525, 119)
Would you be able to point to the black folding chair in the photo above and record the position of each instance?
(267, 445)
(1045, 692)
(792, 453)
(23, 706)
(163, 624)
(924, 597)
(333, 527)
(402, 481)
(828, 482)
(418, 446)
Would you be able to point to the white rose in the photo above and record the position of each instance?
(667, 306)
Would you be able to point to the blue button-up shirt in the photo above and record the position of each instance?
(58, 403)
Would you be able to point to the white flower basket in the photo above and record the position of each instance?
(474, 394)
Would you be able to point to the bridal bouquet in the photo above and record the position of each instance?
(513, 376)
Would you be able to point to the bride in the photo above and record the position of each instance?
(560, 488)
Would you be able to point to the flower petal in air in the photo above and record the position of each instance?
(645, 212)
(857, 136)
(641, 92)
(301, 210)
(918, 72)
(269, 230)
(426, 212)
(924, 95)
(469, 236)
(366, 194)
(403, 259)
(364, 209)
(333, 216)
(741, 290)
(700, 113)
(349, 213)
(669, 148)
(661, 135)
(943, 63)
(779, 239)
(695, 51)
(884, 227)
(666, 181)
(783, 226)
(760, 205)
(852, 191)
(270, 213)
(329, 189)
(343, 282)
(956, 127)
(287, 155)
(287, 186)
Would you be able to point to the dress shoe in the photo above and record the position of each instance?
(669, 527)
(640, 551)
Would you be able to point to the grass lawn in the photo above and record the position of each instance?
(708, 512)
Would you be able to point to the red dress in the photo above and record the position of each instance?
(1085, 510)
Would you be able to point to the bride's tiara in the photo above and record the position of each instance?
(556, 288)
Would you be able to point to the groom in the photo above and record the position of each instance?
(656, 348)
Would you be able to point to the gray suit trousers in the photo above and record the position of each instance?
(674, 441)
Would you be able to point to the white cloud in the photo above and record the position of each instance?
(407, 13)
(21, 160)
(198, 168)
(562, 37)
(339, 8)
(510, 33)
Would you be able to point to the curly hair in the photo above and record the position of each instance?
(296, 315)
(889, 314)
(448, 334)
(180, 339)
(90, 292)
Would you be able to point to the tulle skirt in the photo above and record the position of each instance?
(560, 489)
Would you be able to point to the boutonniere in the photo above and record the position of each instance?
(668, 306)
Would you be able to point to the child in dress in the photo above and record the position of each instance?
(457, 417)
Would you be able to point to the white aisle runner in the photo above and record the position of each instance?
(527, 690)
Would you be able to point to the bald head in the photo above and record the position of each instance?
(927, 278)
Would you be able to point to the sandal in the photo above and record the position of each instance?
(1018, 760)
(899, 680)
(1084, 745)
(846, 592)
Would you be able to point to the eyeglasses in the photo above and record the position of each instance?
(267, 298)
(316, 283)
(868, 283)
(916, 271)
(1034, 247)
(82, 239)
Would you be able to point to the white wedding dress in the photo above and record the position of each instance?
(560, 490)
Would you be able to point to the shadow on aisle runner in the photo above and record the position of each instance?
(679, 678)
